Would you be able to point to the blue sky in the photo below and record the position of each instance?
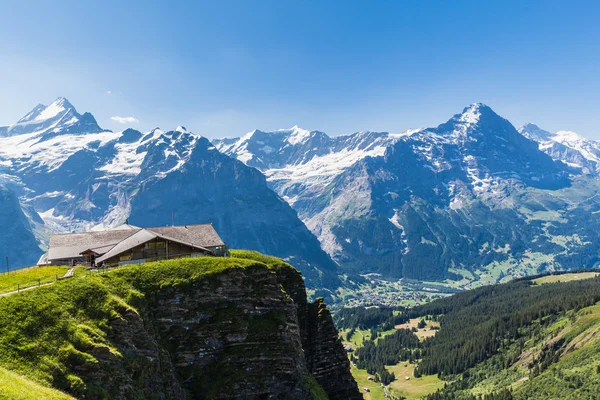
(223, 68)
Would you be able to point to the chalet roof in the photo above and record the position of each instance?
(141, 237)
(71, 245)
(203, 235)
(99, 250)
(112, 242)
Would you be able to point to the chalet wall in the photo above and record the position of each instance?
(156, 249)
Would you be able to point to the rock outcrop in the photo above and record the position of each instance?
(209, 328)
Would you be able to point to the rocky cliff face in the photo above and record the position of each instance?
(195, 329)
(239, 336)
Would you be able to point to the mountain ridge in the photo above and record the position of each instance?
(415, 197)
(78, 181)
(450, 202)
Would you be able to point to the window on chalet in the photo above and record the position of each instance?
(156, 245)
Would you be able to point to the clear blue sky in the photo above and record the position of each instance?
(223, 68)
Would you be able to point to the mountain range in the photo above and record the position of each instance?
(473, 199)
(75, 176)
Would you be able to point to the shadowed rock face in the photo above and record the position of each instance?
(326, 357)
(240, 336)
(17, 241)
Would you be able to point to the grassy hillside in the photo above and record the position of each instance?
(64, 335)
(45, 332)
(534, 338)
(386, 346)
(15, 387)
(30, 277)
(565, 277)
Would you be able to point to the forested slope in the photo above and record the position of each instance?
(533, 338)
(522, 340)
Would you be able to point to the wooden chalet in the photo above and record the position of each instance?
(127, 244)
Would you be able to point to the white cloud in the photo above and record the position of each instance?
(125, 120)
(109, 92)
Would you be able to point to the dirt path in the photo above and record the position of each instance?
(26, 289)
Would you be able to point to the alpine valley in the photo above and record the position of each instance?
(473, 201)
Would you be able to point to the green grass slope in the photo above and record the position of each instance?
(28, 277)
(15, 387)
(44, 333)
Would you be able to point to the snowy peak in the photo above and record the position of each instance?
(568, 137)
(292, 136)
(43, 113)
(60, 105)
(475, 115)
(471, 114)
(274, 149)
(57, 118)
(478, 123)
(297, 146)
(566, 146)
(535, 133)
(296, 135)
(33, 114)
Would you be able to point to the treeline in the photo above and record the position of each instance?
(381, 318)
(477, 324)
(402, 345)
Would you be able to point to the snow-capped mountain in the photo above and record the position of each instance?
(423, 203)
(73, 179)
(468, 197)
(566, 146)
(299, 164)
(59, 117)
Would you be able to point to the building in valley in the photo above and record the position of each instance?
(127, 244)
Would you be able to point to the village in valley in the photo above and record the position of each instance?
(373, 290)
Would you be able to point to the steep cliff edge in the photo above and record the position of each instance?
(209, 328)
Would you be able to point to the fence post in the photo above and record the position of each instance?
(18, 287)
(39, 282)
